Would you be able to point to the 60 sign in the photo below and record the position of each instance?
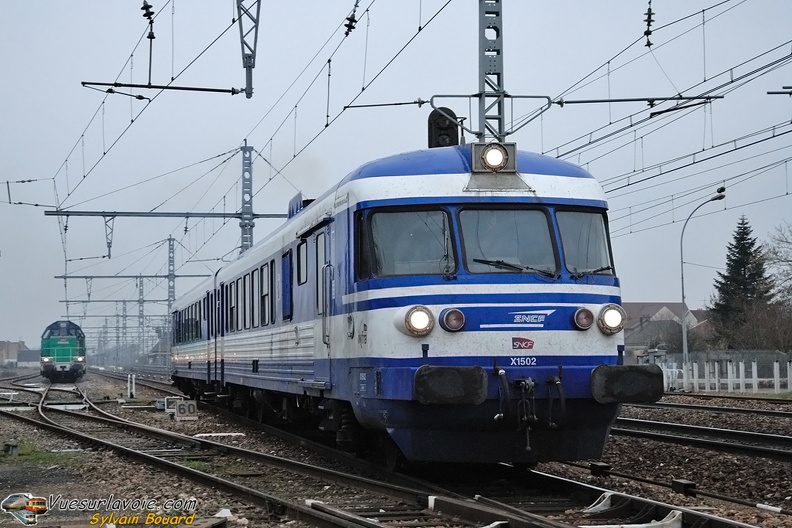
(186, 410)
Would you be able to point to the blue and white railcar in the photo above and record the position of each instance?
(460, 302)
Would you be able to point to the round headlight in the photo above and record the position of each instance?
(494, 157)
(584, 318)
(419, 320)
(611, 319)
(452, 320)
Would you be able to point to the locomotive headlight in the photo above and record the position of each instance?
(452, 320)
(611, 319)
(419, 320)
(494, 157)
(79, 359)
(46, 359)
(414, 320)
(583, 319)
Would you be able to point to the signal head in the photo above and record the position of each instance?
(443, 131)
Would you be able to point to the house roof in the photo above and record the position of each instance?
(651, 311)
(649, 332)
(638, 312)
(649, 322)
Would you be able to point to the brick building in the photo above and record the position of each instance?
(9, 352)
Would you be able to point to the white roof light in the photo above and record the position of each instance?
(494, 157)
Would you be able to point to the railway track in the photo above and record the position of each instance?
(752, 470)
(528, 495)
(178, 453)
(746, 430)
(776, 447)
(326, 498)
(158, 383)
(712, 408)
(525, 498)
(22, 392)
(733, 397)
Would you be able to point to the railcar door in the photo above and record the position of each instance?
(206, 324)
(222, 306)
(286, 285)
(323, 280)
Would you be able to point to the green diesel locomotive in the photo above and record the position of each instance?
(63, 351)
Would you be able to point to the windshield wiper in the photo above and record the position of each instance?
(516, 267)
(500, 264)
(543, 273)
(579, 274)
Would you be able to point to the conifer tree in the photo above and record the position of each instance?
(743, 289)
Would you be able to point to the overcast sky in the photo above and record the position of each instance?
(175, 151)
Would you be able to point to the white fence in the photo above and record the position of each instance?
(726, 376)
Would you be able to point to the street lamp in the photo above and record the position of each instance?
(719, 196)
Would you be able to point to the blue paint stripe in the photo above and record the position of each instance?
(548, 299)
(396, 375)
(485, 361)
(285, 365)
(516, 199)
(463, 279)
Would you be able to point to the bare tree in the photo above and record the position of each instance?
(779, 258)
(778, 324)
(768, 326)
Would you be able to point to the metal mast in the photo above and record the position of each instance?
(118, 335)
(248, 38)
(171, 273)
(124, 322)
(246, 213)
(491, 99)
(109, 224)
(141, 314)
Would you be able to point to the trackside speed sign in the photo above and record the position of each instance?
(186, 410)
(170, 403)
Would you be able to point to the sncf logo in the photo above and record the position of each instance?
(520, 343)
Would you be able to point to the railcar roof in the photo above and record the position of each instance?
(456, 160)
(427, 162)
(69, 324)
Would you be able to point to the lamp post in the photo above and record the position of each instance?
(719, 196)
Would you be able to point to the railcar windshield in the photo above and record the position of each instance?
(396, 242)
(410, 243)
(507, 241)
(585, 243)
(63, 329)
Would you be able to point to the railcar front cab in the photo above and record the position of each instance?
(585, 251)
